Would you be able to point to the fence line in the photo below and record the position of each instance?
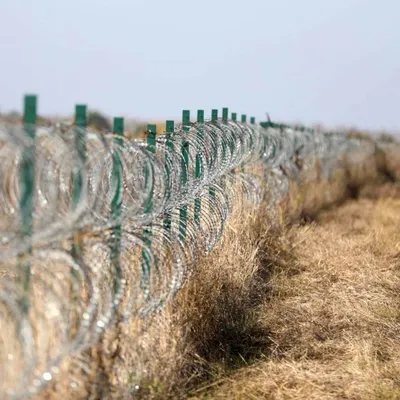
(97, 227)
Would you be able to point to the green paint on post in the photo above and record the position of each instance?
(252, 122)
(28, 167)
(30, 107)
(151, 147)
(234, 119)
(225, 113)
(214, 144)
(27, 187)
(118, 129)
(151, 138)
(198, 170)
(214, 149)
(116, 203)
(147, 232)
(185, 169)
(243, 119)
(200, 116)
(169, 129)
(80, 147)
(116, 173)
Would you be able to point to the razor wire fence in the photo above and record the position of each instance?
(97, 228)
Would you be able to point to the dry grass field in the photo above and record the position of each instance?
(332, 314)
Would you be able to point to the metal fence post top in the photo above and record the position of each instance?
(118, 125)
(200, 115)
(151, 137)
(186, 117)
(151, 128)
(30, 108)
(80, 115)
(225, 113)
(169, 126)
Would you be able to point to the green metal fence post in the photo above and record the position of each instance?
(231, 144)
(243, 119)
(223, 142)
(185, 169)
(147, 232)
(198, 171)
(27, 187)
(151, 147)
(225, 113)
(169, 129)
(214, 150)
(28, 167)
(234, 119)
(252, 122)
(80, 147)
(116, 203)
(214, 138)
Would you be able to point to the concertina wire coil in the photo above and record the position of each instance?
(117, 224)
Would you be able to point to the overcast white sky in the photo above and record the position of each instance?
(336, 61)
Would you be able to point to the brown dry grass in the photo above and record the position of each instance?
(333, 315)
(219, 321)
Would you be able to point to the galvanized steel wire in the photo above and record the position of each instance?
(122, 241)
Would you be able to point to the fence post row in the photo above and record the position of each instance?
(80, 125)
